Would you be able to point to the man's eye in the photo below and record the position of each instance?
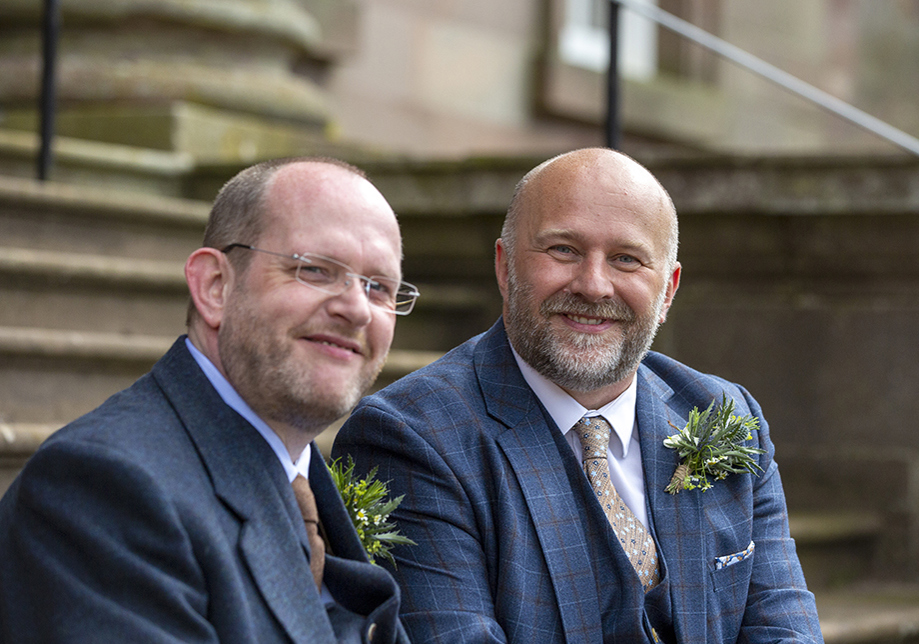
(626, 261)
(566, 252)
(314, 273)
(380, 287)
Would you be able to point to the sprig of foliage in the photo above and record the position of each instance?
(711, 445)
(367, 505)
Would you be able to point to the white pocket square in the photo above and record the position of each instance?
(737, 557)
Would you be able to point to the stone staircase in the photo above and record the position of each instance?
(92, 293)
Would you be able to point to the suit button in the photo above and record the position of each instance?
(371, 631)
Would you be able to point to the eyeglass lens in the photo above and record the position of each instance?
(332, 277)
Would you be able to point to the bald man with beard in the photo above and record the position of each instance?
(532, 457)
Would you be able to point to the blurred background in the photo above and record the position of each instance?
(799, 230)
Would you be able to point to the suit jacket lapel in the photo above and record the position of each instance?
(248, 478)
(677, 518)
(532, 444)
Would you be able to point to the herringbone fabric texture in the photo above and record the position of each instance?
(636, 541)
(307, 502)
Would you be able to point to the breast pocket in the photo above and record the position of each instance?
(732, 569)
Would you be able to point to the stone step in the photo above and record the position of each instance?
(53, 375)
(89, 292)
(101, 165)
(836, 548)
(76, 219)
(870, 614)
(102, 293)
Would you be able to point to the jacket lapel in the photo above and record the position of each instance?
(248, 478)
(677, 518)
(532, 444)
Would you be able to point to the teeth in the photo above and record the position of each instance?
(332, 344)
(582, 320)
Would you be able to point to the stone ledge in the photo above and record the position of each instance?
(401, 362)
(102, 204)
(870, 615)
(103, 156)
(736, 185)
(63, 344)
(23, 438)
(84, 267)
(818, 528)
(284, 19)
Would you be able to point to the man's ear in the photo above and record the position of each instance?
(672, 285)
(209, 276)
(501, 267)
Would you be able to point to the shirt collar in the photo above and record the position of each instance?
(235, 402)
(566, 411)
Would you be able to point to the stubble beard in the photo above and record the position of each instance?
(263, 370)
(578, 361)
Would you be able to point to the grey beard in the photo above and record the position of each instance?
(578, 362)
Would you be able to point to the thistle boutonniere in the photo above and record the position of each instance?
(711, 445)
(367, 505)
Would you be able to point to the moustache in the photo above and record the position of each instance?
(572, 304)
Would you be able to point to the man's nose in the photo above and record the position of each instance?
(593, 280)
(353, 303)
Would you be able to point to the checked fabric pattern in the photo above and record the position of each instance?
(636, 541)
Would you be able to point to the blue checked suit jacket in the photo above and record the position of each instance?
(502, 553)
(163, 516)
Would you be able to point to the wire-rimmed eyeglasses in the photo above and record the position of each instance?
(333, 277)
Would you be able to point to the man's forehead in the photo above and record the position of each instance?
(308, 212)
(308, 180)
(593, 189)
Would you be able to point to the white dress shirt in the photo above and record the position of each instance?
(623, 452)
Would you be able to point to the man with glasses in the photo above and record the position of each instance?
(533, 458)
(194, 506)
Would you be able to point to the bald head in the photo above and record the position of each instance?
(587, 267)
(592, 169)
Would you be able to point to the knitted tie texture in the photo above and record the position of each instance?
(635, 539)
(307, 502)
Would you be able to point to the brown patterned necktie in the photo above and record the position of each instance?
(635, 539)
(307, 503)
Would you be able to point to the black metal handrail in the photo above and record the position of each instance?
(51, 26)
(746, 60)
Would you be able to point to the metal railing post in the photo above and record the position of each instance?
(51, 27)
(613, 100)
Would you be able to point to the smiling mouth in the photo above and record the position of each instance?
(336, 345)
(580, 319)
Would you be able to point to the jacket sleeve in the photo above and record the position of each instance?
(779, 608)
(92, 551)
(447, 578)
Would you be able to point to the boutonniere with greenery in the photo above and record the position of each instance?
(367, 505)
(712, 446)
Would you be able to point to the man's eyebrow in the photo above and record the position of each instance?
(555, 233)
(564, 234)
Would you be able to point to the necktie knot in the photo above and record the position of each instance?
(594, 433)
